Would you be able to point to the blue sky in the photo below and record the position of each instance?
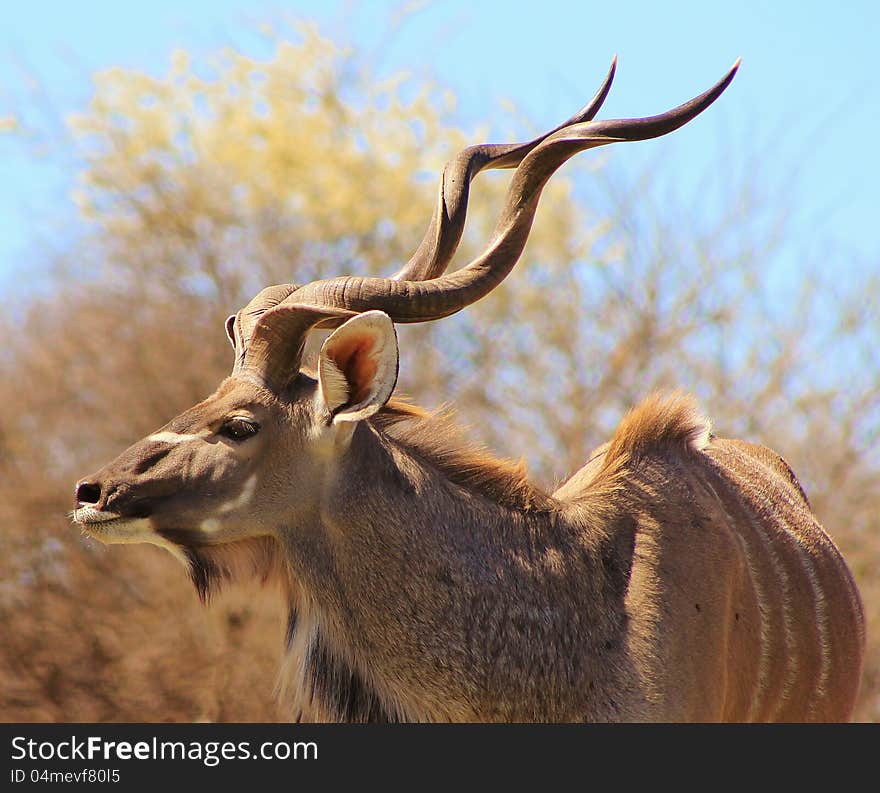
(808, 92)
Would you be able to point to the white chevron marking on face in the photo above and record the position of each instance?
(176, 437)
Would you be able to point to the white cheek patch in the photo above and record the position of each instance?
(210, 525)
(176, 437)
(247, 493)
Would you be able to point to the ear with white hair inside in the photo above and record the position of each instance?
(357, 367)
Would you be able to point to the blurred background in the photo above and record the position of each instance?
(163, 161)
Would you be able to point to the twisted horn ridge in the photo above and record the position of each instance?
(420, 301)
(240, 326)
(427, 293)
(441, 240)
(275, 343)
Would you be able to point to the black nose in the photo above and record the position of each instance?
(88, 492)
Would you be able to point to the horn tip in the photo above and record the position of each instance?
(613, 68)
(728, 78)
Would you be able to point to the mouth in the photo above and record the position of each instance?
(107, 526)
(111, 528)
(90, 517)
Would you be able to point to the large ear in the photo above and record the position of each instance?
(357, 367)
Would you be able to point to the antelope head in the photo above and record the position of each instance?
(253, 459)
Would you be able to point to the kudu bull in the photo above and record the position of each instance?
(676, 576)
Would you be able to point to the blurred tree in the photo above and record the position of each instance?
(202, 186)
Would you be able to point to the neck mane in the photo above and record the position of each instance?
(436, 441)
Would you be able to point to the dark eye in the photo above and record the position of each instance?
(239, 429)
